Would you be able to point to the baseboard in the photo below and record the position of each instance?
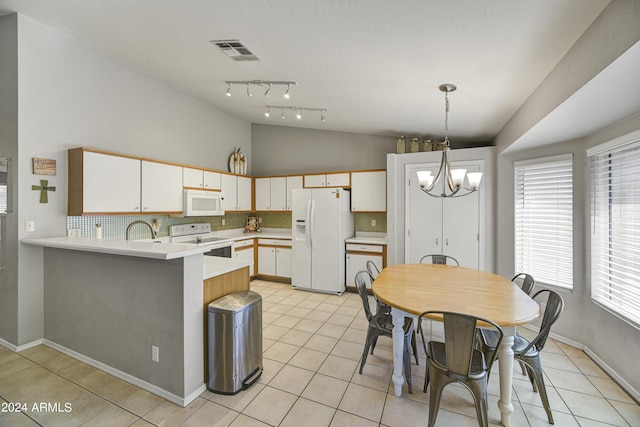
(129, 378)
(22, 347)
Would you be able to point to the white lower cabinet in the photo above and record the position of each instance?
(274, 258)
(243, 249)
(357, 257)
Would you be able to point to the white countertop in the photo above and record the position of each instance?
(368, 238)
(216, 266)
(267, 233)
(136, 248)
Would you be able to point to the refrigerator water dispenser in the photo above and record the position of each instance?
(301, 230)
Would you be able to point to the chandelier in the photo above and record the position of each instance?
(448, 182)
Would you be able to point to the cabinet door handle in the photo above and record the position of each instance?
(446, 242)
(436, 241)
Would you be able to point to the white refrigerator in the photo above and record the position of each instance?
(321, 221)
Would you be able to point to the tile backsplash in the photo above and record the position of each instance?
(114, 227)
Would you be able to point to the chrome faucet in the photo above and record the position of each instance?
(153, 232)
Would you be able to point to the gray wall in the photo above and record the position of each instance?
(286, 150)
(69, 95)
(614, 31)
(609, 340)
(113, 308)
(9, 148)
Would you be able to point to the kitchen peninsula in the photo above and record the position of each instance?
(109, 301)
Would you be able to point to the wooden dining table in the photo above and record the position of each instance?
(411, 289)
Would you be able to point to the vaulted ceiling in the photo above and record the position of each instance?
(375, 65)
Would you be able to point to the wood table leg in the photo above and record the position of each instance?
(398, 349)
(505, 358)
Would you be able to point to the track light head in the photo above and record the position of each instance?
(286, 94)
(282, 116)
(268, 91)
(299, 114)
(249, 90)
(228, 90)
(268, 112)
(322, 116)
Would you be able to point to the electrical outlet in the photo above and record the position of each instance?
(155, 353)
(373, 222)
(223, 221)
(259, 220)
(29, 226)
(74, 232)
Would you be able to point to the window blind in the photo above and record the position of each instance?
(615, 222)
(544, 219)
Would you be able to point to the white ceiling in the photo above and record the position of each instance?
(375, 65)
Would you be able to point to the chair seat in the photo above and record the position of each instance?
(438, 355)
(490, 338)
(384, 322)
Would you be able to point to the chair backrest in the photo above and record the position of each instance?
(459, 339)
(552, 311)
(372, 268)
(525, 281)
(439, 259)
(362, 278)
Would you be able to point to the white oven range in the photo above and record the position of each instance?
(200, 234)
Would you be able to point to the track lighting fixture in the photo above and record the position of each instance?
(299, 111)
(268, 83)
(268, 112)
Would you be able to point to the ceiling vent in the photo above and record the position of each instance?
(235, 50)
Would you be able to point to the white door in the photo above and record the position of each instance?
(357, 263)
(424, 218)
(460, 228)
(369, 191)
(293, 182)
(211, 180)
(326, 241)
(300, 242)
(267, 260)
(192, 177)
(247, 255)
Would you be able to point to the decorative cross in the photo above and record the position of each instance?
(43, 187)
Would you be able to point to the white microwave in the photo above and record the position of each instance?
(203, 203)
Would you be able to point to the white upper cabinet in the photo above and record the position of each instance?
(103, 183)
(211, 180)
(369, 191)
(161, 187)
(341, 179)
(293, 182)
(263, 194)
(236, 191)
(202, 179)
(271, 194)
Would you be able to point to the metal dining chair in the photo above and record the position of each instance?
(372, 268)
(457, 360)
(382, 325)
(439, 259)
(528, 352)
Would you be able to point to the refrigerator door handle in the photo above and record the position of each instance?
(312, 224)
(309, 224)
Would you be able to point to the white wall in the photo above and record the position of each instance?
(70, 96)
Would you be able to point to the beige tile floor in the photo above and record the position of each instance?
(312, 344)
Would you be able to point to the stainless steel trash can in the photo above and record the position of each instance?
(235, 342)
